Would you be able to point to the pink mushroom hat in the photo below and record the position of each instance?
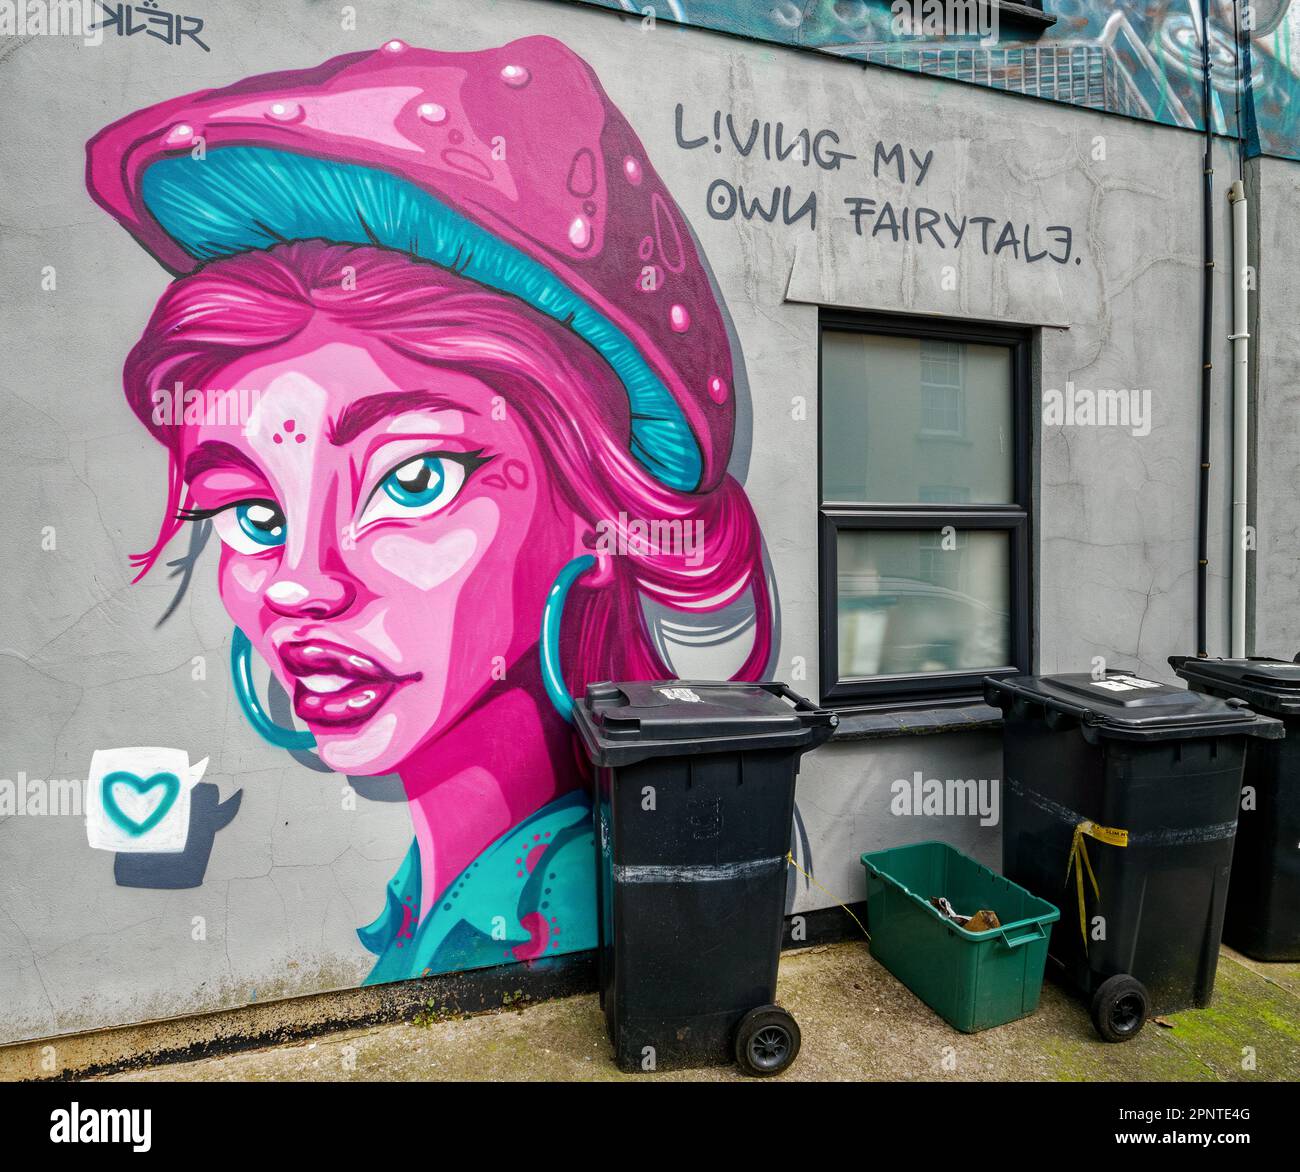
(509, 166)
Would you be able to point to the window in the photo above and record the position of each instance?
(943, 406)
(924, 508)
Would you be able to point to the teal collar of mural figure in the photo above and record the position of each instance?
(242, 198)
(529, 895)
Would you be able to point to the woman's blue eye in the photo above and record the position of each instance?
(262, 522)
(417, 482)
(420, 487)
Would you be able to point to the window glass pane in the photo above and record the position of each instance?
(905, 417)
(911, 602)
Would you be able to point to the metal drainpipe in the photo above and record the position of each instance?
(1240, 338)
(1207, 366)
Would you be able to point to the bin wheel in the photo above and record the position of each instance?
(767, 1041)
(1119, 1008)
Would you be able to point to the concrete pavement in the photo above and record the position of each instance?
(857, 1022)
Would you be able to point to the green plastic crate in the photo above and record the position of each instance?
(973, 980)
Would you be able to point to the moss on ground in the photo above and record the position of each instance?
(1249, 1031)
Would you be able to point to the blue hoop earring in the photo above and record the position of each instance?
(548, 648)
(241, 669)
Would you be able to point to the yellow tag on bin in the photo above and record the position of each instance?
(1107, 834)
(1079, 863)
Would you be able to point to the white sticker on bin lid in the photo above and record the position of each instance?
(1124, 683)
(679, 694)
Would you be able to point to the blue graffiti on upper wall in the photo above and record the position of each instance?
(1139, 59)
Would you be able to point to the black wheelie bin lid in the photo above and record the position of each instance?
(623, 723)
(1267, 685)
(1125, 707)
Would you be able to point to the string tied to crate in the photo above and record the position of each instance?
(789, 858)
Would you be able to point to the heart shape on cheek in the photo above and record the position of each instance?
(426, 566)
(170, 783)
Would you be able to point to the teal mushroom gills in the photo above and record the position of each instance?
(240, 198)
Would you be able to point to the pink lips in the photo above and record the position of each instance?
(336, 685)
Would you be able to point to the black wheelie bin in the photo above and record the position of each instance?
(694, 802)
(1120, 805)
(1263, 916)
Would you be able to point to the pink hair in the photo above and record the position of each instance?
(567, 395)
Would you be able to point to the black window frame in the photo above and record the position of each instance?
(931, 688)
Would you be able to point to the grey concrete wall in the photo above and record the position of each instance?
(1276, 442)
(291, 878)
(852, 799)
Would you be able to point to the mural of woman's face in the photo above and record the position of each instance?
(387, 536)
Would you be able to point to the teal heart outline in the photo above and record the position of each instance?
(141, 786)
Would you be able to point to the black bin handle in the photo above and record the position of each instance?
(814, 715)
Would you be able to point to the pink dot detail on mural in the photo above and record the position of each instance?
(539, 931)
(679, 319)
(408, 921)
(534, 857)
(632, 171)
(668, 239)
(433, 113)
(645, 249)
(182, 134)
(580, 232)
(516, 76)
(581, 180)
(718, 389)
(285, 112)
(289, 430)
(395, 46)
